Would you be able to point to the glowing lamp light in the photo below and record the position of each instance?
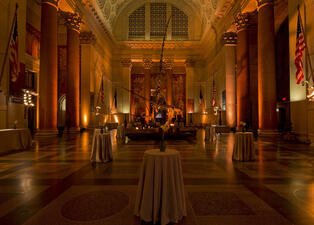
(85, 119)
(116, 119)
(284, 99)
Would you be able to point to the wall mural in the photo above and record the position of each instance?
(137, 87)
(158, 80)
(178, 91)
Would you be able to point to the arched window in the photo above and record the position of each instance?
(154, 28)
(180, 23)
(158, 19)
(137, 23)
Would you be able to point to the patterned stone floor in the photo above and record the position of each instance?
(54, 183)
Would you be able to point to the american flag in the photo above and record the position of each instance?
(115, 98)
(14, 57)
(214, 94)
(300, 46)
(201, 97)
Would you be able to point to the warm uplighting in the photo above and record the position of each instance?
(85, 119)
(116, 118)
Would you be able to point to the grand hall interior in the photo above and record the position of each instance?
(167, 112)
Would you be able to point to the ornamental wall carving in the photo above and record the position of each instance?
(157, 45)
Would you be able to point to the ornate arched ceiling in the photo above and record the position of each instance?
(111, 9)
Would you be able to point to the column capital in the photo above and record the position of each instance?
(87, 37)
(230, 38)
(189, 62)
(51, 2)
(168, 63)
(261, 3)
(246, 20)
(147, 63)
(72, 20)
(126, 62)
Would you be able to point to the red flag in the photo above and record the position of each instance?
(102, 94)
(14, 57)
(214, 94)
(300, 46)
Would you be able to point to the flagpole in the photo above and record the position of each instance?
(7, 48)
(311, 70)
(306, 50)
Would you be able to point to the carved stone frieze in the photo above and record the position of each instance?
(87, 38)
(158, 44)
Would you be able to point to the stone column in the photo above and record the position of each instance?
(230, 41)
(244, 23)
(168, 67)
(126, 83)
(48, 79)
(147, 63)
(189, 67)
(87, 39)
(73, 21)
(266, 67)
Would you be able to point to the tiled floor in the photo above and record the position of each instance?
(54, 183)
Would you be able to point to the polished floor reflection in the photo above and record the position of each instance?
(55, 184)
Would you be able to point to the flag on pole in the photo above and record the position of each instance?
(201, 97)
(300, 46)
(115, 98)
(214, 94)
(14, 57)
(102, 93)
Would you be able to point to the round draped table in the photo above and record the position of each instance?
(160, 194)
(101, 147)
(243, 149)
(15, 139)
(210, 133)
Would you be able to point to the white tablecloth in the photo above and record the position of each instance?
(15, 139)
(210, 133)
(101, 147)
(243, 149)
(160, 193)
